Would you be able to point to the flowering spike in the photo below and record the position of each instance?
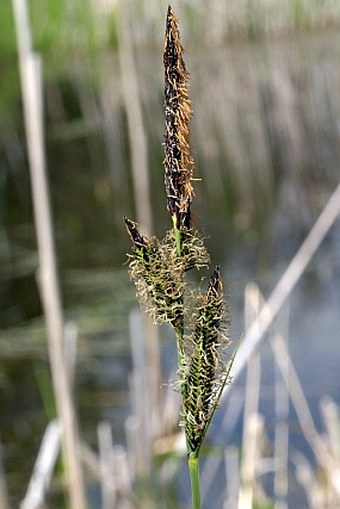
(178, 161)
(207, 362)
(159, 267)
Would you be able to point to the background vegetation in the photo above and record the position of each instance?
(265, 89)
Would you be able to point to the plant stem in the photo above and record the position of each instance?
(181, 359)
(193, 464)
(177, 233)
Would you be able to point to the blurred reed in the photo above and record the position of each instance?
(47, 274)
(268, 101)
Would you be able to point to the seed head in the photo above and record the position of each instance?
(178, 161)
(206, 372)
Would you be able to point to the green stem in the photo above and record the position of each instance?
(181, 360)
(193, 464)
(177, 235)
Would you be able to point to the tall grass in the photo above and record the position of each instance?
(62, 28)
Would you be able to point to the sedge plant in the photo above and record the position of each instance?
(159, 268)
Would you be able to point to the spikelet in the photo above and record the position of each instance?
(206, 363)
(159, 282)
(157, 271)
(178, 161)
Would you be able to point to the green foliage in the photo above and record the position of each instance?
(9, 83)
(299, 14)
(268, 504)
(43, 380)
(47, 21)
(7, 32)
(9, 93)
(58, 25)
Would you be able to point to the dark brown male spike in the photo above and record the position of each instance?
(178, 161)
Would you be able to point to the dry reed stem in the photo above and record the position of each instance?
(135, 124)
(31, 83)
(43, 467)
(287, 282)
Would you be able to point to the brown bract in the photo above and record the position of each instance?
(137, 238)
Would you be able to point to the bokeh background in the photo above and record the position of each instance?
(265, 86)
